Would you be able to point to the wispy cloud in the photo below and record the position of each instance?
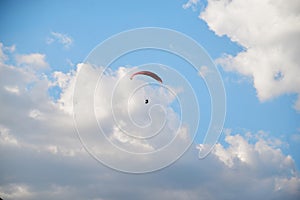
(3, 49)
(204, 71)
(191, 4)
(61, 38)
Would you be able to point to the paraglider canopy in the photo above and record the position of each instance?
(147, 73)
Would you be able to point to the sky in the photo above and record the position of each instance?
(74, 126)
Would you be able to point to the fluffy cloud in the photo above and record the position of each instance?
(33, 61)
(41, 158)
(29, 90)
(269, 32)
(255, 170)
(61, 38)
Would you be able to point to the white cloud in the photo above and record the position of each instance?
(191, 4)
(6, 138)
(119, 137)
(53, 149)
(2, 55)
(61, 38)
(34, 60)
(3, 49)
(259, 153)
(269, 32)
(203, 71)
(297, 103)
(66, 82)
(263, 170)
(43, 159)
(10, 49)
(35, 108)
(12, 89)
(14, 191)
(36, 114)
(288, 184)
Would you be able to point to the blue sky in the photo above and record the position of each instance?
(44, 44)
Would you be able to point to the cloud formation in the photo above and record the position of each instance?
(32, 61)
(269, 33)
(42, 159)
(191, 4)
(61, 38)
(3, 49)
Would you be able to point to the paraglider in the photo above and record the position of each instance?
(147, 73)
